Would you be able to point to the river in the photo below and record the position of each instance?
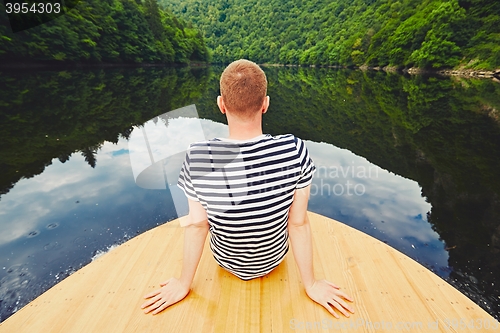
(410, 160)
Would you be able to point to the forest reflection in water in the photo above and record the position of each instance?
(412, 161)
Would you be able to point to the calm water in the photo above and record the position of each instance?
(412, 161)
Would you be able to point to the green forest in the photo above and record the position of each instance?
(400, 33)
(105, 31)
(430, 34)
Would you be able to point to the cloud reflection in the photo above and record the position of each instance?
(158, 147)
(386, 206)
(55, 222)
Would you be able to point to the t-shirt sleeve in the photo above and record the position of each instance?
(307, 167)
(185, 181)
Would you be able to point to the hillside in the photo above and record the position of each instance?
(111, 31)
(405, 33)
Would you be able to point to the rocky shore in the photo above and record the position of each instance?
(458, 72)
(471, 73)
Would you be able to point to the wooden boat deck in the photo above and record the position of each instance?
(392, 292)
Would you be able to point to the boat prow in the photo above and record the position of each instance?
(391, 292)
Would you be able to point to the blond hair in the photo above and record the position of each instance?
(243, 87)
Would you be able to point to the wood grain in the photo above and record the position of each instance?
(391, 291)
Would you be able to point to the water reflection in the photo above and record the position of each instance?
(346, 187)
(442, 133)
(67, 187)
(93, 209)
(157, 149)
(411, 161)
(389, 207)
(52, 114)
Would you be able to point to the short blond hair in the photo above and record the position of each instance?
(243, 87)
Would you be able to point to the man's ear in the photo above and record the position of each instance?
(265, 105)
(220, 104)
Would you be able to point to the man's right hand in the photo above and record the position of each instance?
(171, 292)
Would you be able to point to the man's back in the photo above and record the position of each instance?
(247, 187)
(251, 192)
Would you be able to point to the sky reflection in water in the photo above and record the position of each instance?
(348, 188)
(55, 222)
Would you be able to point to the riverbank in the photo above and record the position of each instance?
(471, 73)
(81, 65)
(458, 72)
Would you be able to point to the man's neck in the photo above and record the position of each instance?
(239, 134)
(239, 130)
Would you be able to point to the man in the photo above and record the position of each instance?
(251, 191)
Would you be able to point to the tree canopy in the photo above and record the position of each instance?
(111, 31)
(401, 33)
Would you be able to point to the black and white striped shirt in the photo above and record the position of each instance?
(247, 189)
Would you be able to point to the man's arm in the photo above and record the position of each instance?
(174, 290)
(323, 292)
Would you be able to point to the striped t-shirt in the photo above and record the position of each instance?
(247, 188)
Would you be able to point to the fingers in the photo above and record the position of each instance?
(339, 304)
(338, 292)
(161, 304)
(329, 308)
(164, 283)
(161, 308)
(336, 305)
(153, 293)
(342, 307)
(158, 304)
(156, 292)
(152, 304)
(336, 299)
(343, 295)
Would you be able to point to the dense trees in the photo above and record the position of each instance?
(115, 31)
(403, 33)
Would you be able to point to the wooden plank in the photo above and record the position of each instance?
(391, 292)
